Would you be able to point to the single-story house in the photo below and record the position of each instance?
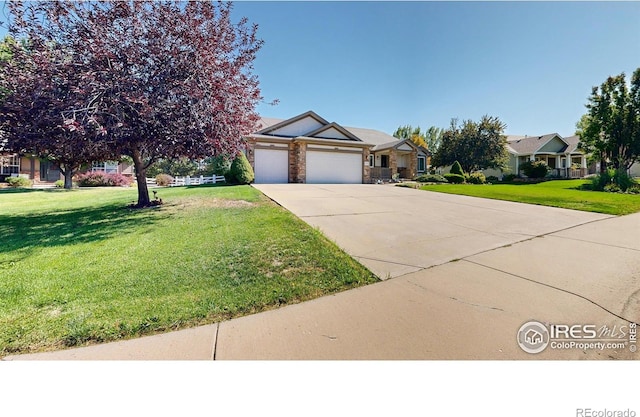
(44, 171)
(309, 149)
(561, 155)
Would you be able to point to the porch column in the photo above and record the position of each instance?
(413, 164)
(366, 169)
(393, 162)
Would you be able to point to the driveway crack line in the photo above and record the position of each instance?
(552, 287)
(422, 287)
(595, 243)
(215, 343)
(390, 262)
(345, 214)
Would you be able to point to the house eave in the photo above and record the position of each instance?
(340, 142)
(269, 138)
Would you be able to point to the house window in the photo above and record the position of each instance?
(9, 164)
(108, 167)
(372, 160)
(422, 164)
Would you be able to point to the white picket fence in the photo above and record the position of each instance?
(180, 181)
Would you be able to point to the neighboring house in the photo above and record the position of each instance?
(29, 166)
(309, 149)
(44, 171)
(561, 155)
(112, 167)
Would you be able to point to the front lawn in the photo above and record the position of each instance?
(560, 193)
(79, 267)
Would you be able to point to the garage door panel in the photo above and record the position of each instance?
(271, 166)
(334, 167)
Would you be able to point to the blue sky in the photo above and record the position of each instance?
(380, 65)
(384, 64)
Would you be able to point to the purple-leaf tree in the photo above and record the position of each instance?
(152, 79)
(40, 95)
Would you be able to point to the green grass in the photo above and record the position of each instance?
(562, 193)
(78, 267)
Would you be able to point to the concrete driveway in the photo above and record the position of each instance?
(394, 231)
(467, 273)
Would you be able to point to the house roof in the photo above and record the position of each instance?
(573, 142)
(397, 143)
(531, 144)
(367, 136)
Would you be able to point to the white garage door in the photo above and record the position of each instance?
(271, 166)
(334, 167)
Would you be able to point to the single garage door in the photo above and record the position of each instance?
(271, 166)
(334, 167)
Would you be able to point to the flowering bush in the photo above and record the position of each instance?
(101, 179)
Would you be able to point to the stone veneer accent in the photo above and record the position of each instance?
(393, 162)
(251, 154)
(298, 162)
(413, 165)
(366, 169)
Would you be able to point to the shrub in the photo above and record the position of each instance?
(59, 184)
(492, 179)
(164, 180)
(430, 178)
(240, 171)
(612, 181)
(101, 179)
(612, 187)
(19, 182)
(454, 178)
(634, 189)
(535, 169)
(476, 178)
(456, 168)
(509, 177)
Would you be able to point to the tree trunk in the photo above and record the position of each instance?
(68, 175)
(141, 178)
(68, 179)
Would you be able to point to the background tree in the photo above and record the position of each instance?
(433, 137)
(177, 167)
(610, 130)
(429, 139)
(413, 133)
(474, 145)
(160, 79)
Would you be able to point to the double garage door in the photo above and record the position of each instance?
(322, 166)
